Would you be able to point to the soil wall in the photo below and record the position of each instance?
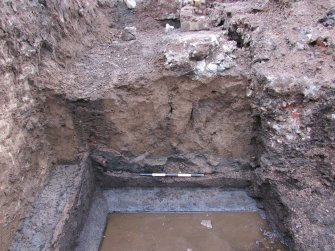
(30, 31)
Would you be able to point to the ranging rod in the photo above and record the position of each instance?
(173, 174)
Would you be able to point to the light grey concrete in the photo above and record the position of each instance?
(58, 213)
(90, 237)
(178, 200)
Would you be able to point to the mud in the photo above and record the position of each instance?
(161, 200)
(178, 231)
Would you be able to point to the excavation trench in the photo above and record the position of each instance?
(84, 207)
(167, 125)
(191, 128)
(174, 103)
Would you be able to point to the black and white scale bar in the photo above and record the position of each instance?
(173, 174)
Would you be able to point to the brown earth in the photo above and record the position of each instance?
(257, 89)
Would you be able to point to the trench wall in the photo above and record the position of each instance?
(170, 116)
(30, 31)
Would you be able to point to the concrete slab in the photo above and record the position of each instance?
(178, 200)
(91, 235)
(58, 213)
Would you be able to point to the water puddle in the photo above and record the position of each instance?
(226, 231)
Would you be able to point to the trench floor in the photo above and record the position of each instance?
(227, 231)
(136, 214)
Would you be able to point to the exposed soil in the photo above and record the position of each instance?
(249, 102)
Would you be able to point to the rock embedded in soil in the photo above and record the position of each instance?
(128, 34)
(190, 22)
(131, 4)
(329, 19)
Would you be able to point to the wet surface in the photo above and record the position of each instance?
(157, 200)
(225, 231)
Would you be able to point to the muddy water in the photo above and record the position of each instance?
(188, 232)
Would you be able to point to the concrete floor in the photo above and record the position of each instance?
(177, 200)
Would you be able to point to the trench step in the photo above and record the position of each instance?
(56, 215)
(178, 200)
